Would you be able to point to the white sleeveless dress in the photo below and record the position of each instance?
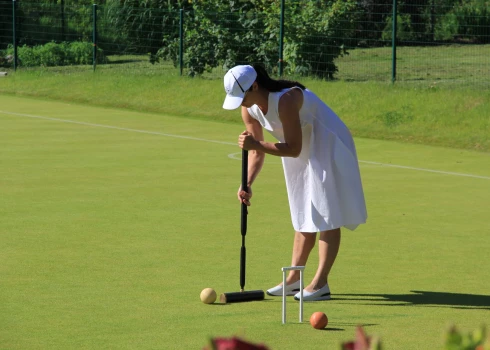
(324, 183)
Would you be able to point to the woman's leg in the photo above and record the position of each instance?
(302, 246)
(328, 247)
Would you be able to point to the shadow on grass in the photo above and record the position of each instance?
(332, 329)
(353, 324)
(123, 61)
(335, 325)
(218, 302)
(423, 298)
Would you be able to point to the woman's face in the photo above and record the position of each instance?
(248, 98)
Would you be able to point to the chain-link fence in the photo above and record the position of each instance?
(430, 40)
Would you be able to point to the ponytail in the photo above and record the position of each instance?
(273, 85)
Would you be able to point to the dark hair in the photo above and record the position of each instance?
(273, 85)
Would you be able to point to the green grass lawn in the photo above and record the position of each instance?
(424, 113)
(114, 220)
(446, 64)
(450, 65)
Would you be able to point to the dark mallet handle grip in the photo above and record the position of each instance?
(243, 251)
(244, 188)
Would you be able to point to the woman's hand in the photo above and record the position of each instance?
(247, 141)
(244, 197)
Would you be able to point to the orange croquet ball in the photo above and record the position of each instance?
(318, 320)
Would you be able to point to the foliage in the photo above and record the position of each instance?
(233, 343)
(447, 27)
(213, 39)
(468, 20)
(371, 22)
(316, 32)
(40, 22)
(139, 26)
(256, 37)
(53, 54)
(249, 32)
(404, 30)
(455, 340)
(5, 21)
(362, 342)
(221, 33)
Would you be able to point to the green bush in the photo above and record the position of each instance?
(446, 28)
(469, 20)
(50, 54)
(82, 53)
(404, 30)
(53, 54)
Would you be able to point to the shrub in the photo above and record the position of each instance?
(82, 53)
(447, 27)
(468, 20)
(54, 54)
(404, 30)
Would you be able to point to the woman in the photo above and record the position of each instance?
(319, 160)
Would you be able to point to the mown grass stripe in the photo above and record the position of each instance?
(225, 143)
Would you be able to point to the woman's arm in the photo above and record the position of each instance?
(255, 157)
(289, 106)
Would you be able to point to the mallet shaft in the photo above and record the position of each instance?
(243, 251)
(250, 295)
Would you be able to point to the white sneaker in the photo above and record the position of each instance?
(291, 289)
(321, 294)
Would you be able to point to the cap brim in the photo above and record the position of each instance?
(232, 102)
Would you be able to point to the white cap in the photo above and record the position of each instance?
(238, 80)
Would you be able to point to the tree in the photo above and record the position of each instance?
(140, 26)
(219, 33)
(5, 23)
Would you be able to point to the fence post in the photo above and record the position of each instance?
(281, 39)
(62, 8)
(94, 36)
(393, 42)
(181, 40)
(14, 30)
(432, 21)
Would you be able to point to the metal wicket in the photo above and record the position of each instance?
(284, 270)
